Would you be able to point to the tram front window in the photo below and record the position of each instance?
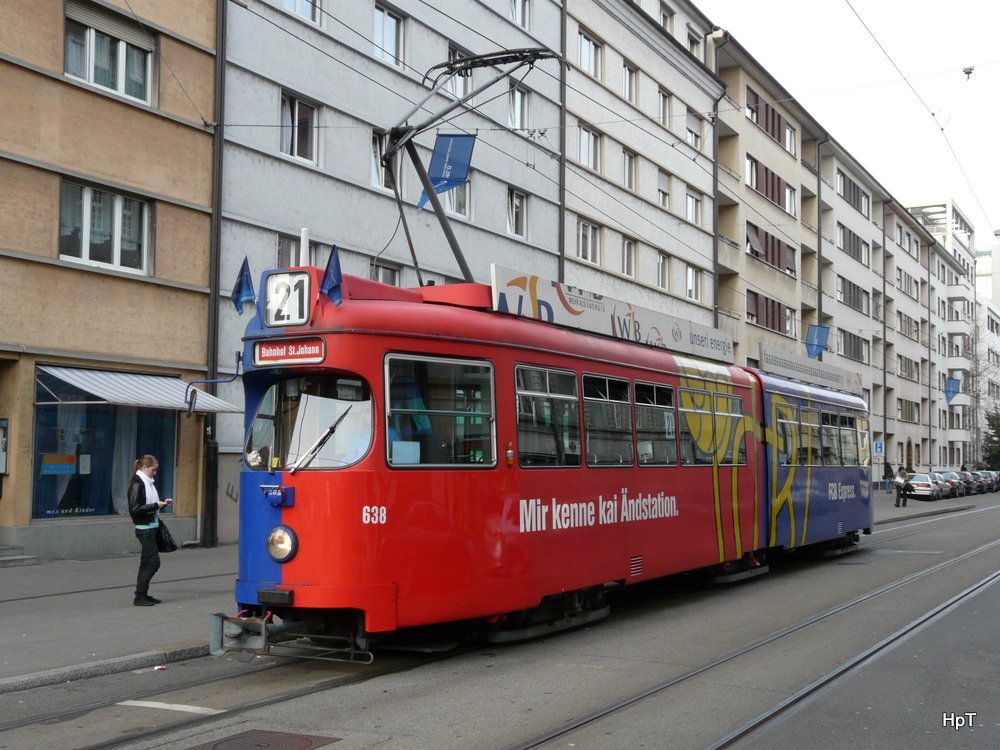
(311, 422)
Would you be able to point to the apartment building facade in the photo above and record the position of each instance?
(105, 251)
(956, 374)
(640, 154)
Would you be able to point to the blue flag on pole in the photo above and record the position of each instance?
(816, 340)
(243, 290)
(449, 163)
(332, 278)
(951, 388)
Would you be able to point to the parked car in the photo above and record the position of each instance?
(973, 484)
(986, 478)
(924, 487)
(943, 485)
(996, 479)
(955, 483)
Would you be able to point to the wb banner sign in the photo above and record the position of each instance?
(449, 163)
(816, 340)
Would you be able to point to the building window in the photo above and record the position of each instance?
(667, 19)
(388, 36)
(790, 139)
(694, 45)
(298, 123)
(72, 424)
(107, 51)
(693, 208)
(381, 176)
(850, 191)
(459, 85)
(750, 170)
(694, 125)
(519, 13)
(852, 244)
(289, 254)
(517, 213)
(308, 9)
(385, 273)
(629, 76)
(588, 242)
(663, 189)
(663, 270)
(103, 228)
(628, 169)
(693, 283)
(664, 108)
(456, 200)
(852, 295)
(517, 108)
(628, 256)
(853, 346)
(590, 148)
(590, 55)
(790, 204)
(752, 107)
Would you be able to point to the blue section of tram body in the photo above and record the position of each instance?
(821, 501)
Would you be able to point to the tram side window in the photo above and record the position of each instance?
(697, 438)
(829, 434)
(311, 422)
(729, 429)
(548, 418)
(848, 440)
(656, 424)
(440, 412)
(809, 437)
(787, 426)
(864, 443)
(607, 416)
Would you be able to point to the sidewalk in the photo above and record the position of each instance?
(66, 620)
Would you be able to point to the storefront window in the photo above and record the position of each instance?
(84, 451)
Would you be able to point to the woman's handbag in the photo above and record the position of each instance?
(164, 539)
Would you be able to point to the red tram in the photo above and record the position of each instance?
(415, 458)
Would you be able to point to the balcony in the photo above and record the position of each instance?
(961, 399)
(960, 291)
(958, 436)
(958, 325)
(961, 364)
(731, 256)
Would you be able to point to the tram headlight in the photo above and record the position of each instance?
(282, 544)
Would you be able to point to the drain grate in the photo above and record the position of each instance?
(258, 739)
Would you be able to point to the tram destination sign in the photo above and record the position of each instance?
(301, 351)
(530, 296)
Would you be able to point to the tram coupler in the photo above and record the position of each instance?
(240, 634)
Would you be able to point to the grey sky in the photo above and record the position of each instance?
(822, 54)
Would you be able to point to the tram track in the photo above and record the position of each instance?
(396, 665)
(760, 722)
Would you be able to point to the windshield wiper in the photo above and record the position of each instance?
(320, 442)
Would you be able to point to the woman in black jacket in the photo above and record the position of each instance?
(144, 506)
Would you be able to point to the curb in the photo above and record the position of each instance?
(101, 668)
(921, 514)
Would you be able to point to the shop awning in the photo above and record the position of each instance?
(132, 389)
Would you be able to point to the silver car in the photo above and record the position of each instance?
(924, 487)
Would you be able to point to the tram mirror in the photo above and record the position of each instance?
(192, 400)
(3, 446)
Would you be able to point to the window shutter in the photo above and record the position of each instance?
(117, 26)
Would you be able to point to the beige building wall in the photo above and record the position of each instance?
(76, 313)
